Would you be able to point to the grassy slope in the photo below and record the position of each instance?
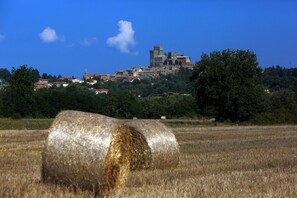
(215, 162)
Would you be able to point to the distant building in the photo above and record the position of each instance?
(77, 80)
(124, 73)
(137, 70)
(41, 84)
(37, 87)
(160, 64)
(157, 58)
(148, 74)
(68, 78)
(105, 77)
(183, 60)
(131, 79)
(91, 82)
(101, 91)
(60, 84)
(88, 76)
(42, 81)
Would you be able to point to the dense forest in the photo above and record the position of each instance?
(227, 85)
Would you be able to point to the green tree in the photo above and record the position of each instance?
(44, 76)
(280, 107)
(277, 77)
(4, 73)
(153, 107)
(122, 104)
(181, 106)
(227, 84)
(35, 75)
(18, 97)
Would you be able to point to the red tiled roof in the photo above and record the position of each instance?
(39, 87)
(102, 90)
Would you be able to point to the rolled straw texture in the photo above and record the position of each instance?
(156, 148)
(88, 151)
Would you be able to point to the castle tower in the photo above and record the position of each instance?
(157, 51)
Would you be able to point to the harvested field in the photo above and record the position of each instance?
(220, 161)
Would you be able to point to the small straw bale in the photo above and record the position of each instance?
(86, 150)
(154, 146)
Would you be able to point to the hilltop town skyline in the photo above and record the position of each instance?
(61, 37)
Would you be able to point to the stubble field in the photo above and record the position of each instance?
(216, 161)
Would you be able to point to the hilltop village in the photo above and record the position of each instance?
(160, 64)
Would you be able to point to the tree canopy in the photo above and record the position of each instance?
(18, 96)
(4, 73)
(227, 84)
(276, 77)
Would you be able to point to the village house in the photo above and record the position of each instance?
(59, 84)
(87, 76)
(66, 78)
(91, 76)
(131, 79)
(136, 70)
(148, 74)
(123, 73)
(42, 81)
(91, 82)
(37, 87)
(41, 84)
(77, 80)
(105, 77)
(101, 91)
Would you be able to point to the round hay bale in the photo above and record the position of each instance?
(88, 151)
(153, 145)
(141, 156)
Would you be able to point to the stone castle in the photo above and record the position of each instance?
(157, 58)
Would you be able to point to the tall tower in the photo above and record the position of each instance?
(157, 51)
(85, 74)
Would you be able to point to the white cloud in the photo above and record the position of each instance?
(48, 35)
(2, 37)
(88, 42)
(125, 38)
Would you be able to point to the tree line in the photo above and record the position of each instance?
(227, 85)
(140, 99)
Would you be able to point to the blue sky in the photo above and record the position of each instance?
(66, 37)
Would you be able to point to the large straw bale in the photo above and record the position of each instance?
(141, 156)
(87, 150)
(154, 145)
